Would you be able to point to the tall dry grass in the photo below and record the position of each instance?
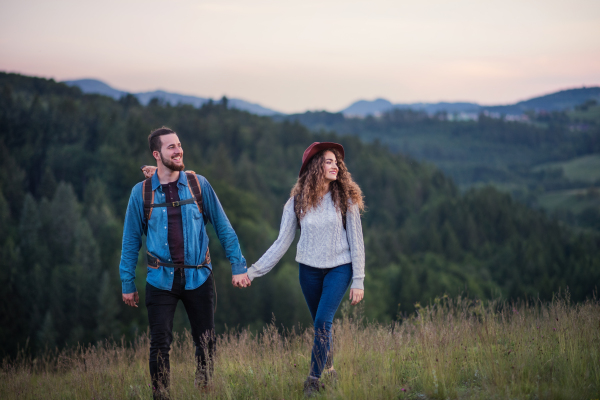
(453, 348)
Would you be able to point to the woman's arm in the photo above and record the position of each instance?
(357, 251)
(287, 232)
(357, 246)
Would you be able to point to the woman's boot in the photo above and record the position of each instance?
(311, 386)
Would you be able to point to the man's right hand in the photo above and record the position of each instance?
(131, 299)
(148, 170)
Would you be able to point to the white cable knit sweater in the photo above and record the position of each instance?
(323, 241)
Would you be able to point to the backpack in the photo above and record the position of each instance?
(195, 190)
(193, 185)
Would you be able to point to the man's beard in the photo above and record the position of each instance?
(169, 164)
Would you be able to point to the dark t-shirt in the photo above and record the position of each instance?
(175, 222)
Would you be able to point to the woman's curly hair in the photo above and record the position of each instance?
(344, 190)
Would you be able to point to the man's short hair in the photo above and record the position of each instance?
(154, 138)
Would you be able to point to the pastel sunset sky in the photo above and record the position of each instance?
(297, 55)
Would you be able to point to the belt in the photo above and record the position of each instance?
(154, 262)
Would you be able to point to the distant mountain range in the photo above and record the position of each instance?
(562, 100)
(98, 87)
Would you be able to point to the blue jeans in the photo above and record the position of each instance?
(323, 291)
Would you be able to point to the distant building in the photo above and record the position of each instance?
(495, 115)
(462, 116)
(517, 118)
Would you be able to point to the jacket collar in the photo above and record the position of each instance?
(181, 181)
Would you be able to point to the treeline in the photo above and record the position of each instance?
(543, 133)
(69, 161)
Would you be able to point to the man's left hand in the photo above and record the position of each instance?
(241, 280)
(131, 299)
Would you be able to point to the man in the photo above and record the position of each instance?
(176, 235)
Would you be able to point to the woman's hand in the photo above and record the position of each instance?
(356, 295)
(148, 170)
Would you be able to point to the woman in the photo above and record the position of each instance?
(326, 203)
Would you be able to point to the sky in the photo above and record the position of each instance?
(294, 56)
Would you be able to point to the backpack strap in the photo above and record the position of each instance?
(196, 191)
(148, 196)
(149, 205)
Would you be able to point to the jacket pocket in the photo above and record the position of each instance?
(196, 213)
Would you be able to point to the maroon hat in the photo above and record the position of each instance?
(317, 147)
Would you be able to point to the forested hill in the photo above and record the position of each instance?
(69, 162)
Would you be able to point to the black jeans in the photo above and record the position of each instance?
(161, 306)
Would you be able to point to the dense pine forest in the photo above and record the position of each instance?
(69, 161)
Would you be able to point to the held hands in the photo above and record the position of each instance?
(241, 280)
(131, 299)
(356, 295)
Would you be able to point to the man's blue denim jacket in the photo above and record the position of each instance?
(194, 236)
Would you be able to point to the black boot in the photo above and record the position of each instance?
(160, 394)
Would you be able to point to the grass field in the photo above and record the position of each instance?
(592, 114)
(452, 349)
(575, 200)
(584, 169)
